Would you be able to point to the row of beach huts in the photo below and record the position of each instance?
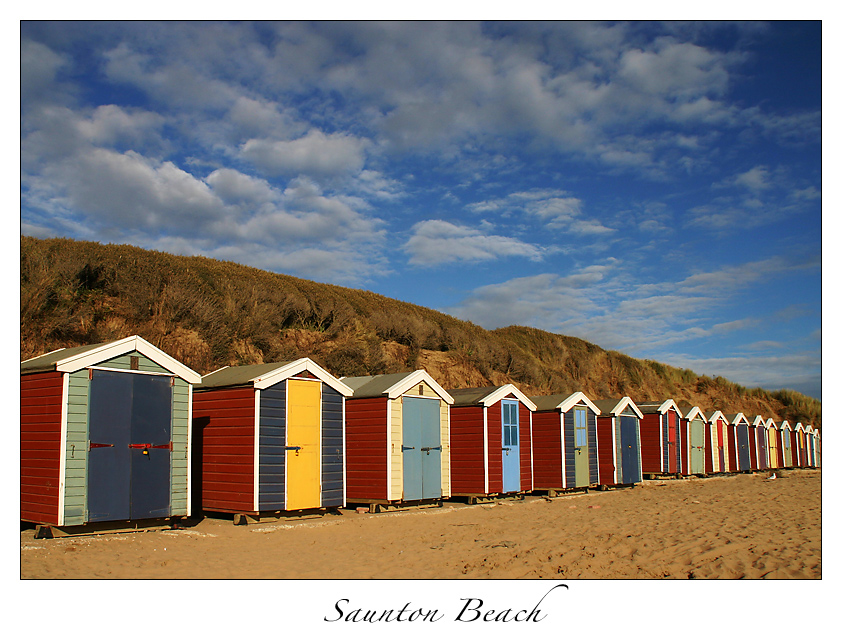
(121, 432)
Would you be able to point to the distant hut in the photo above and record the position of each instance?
(398, 436)
(759, 446)
(270, 438)
(659, 437)
(718, 426)
(490, 441)
(105, 435)
(565, 444)
(618, 441)
(739, 439)
(818, 448)
(694, 421)
(800, 450)
(810, 436)
(773, 441)
(785, 436)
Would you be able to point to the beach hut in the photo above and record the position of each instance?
(818, 443)
(739, 440)
(811, 446)
(759, 447)
(105, 435)
(719, 440)
(800, 442)
(785, 438)
(618, 442)
(710, 442)
(490, 441)
(658, 437)
(773, 442)
(398, 436)
(565, 445)
(694, 422)
(270, 438)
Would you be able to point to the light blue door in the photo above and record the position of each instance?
(511, 448)
(421, 449)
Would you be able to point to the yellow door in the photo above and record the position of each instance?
(303, 469)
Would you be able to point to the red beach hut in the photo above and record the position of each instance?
(490, 441)
(659, 437)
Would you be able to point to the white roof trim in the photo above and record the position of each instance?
(504, 390)
(669, 402)
(738, 418)
(625, 402)
(414, 379)
(788, 425)
(124, 346)
(799, 425)
(694, 411)
(291, 369)
(577, 398)
(758, 421)
(771, 423)
(715, 416)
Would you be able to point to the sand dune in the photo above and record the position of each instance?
(739, 526)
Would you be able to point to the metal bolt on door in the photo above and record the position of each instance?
(511, 448)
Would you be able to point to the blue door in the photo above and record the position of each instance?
(511, 448)
(630, 454)
(421, 449)
(130, 416)
(743, 460)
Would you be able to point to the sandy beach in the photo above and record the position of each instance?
(739, 526)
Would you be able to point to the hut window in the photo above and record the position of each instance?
(580, 424)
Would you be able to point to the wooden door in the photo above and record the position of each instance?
(303, 461)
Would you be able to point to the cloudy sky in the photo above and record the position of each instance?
(654, 188)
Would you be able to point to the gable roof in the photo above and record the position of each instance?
(392, 385)
(615, 406)
(715, 416)
(659, 406)
(735, 418)
(488, 396)
(691, 412)
(82, 357)
(564, 402)
(264, 375)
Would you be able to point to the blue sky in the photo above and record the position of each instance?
(654, 188)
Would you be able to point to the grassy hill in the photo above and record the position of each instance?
(207, 314)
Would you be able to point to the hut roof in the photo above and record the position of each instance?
(487, 396)
(392, 385)
(265, 375)
(615, 406)
(563, 402)
(658, 406)
(81, 357)
(691, 411)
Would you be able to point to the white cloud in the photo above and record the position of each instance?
(39, 66)
(755, 179)
(437, 242)
(316, 154)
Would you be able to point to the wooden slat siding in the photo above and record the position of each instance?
(333, 456)
(607, 455)
(752, 449)
(665, 464)
(525, 431)
(180, 444)
(732, 448)
(40, 447)
(123, 362)
(396, 455)
(592, 446)
(227, 446)
(367, 448)
(467, 444)
(76, 450)
(547, 453)
(444, 424)
(495, 448)
(569, 428)
(708, 448)
(272, 448)
(651, 447)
